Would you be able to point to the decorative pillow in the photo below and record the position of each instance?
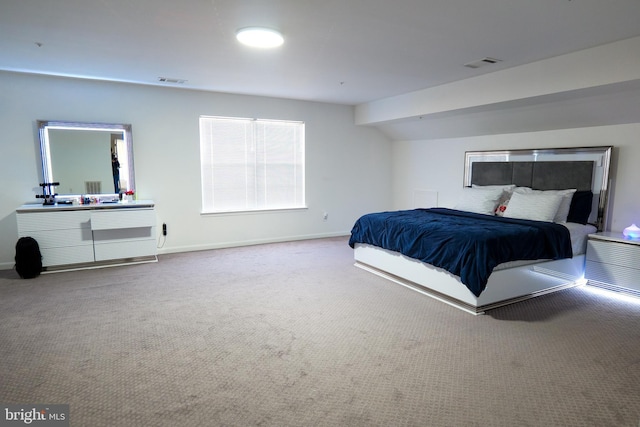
(534, 206)
(479, 200)
(581, 205)
(502, 206)
(507, 189)
(565, 204)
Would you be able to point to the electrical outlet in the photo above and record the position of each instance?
(164, 229)
(325, 216)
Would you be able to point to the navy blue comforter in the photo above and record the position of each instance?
(466, 244)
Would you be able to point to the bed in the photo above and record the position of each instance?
(518, 231)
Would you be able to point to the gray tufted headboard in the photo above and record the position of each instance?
(536, 175)
(585, 169)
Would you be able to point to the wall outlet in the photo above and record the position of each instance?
(164, 229)
(325, 216)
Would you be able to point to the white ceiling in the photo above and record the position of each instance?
(338, 51)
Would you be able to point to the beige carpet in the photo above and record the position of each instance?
(292, 334)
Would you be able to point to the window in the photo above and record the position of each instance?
(251, 164)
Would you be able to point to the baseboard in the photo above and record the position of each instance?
(7, 265)
(101, 264)
(194, 248)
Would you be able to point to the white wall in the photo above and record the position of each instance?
(438, 164)
(348, 171)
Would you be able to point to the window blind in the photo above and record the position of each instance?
(251, 164)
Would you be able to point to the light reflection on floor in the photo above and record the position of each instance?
(610, 294)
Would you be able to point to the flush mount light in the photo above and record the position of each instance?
(259, 37)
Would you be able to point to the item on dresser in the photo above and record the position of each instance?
(48, 194)
(128, 196)
(631, 232)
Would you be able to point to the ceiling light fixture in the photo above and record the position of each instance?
(265, 38)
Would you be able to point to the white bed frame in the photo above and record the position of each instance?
(505, 286)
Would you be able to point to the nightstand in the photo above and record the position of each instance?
(613, 262)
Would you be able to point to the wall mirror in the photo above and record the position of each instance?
(87, 158)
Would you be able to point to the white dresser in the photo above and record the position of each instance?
(80, 236)
(612, 261)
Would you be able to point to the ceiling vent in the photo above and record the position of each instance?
(170, 80)
(482, 62)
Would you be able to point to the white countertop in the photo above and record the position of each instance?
(39, 207)
(614, 236)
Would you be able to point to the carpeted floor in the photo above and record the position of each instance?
(292, 334)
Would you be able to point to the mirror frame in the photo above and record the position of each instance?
(45, 150)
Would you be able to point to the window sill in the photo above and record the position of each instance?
(253, 212)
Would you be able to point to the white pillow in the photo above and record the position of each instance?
(507, 189)
(565, 204)
(534, 206)
(479, 200)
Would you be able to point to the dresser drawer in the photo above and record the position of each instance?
(625, 277)
(30, 222)
(63, 238)
(67, 255)
(122, 219)
(614, 253)
(125, 249)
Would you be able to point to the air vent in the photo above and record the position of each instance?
(93, 187)
(482, 62)
(170, 80)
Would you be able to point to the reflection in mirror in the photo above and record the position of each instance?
(87, 158)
